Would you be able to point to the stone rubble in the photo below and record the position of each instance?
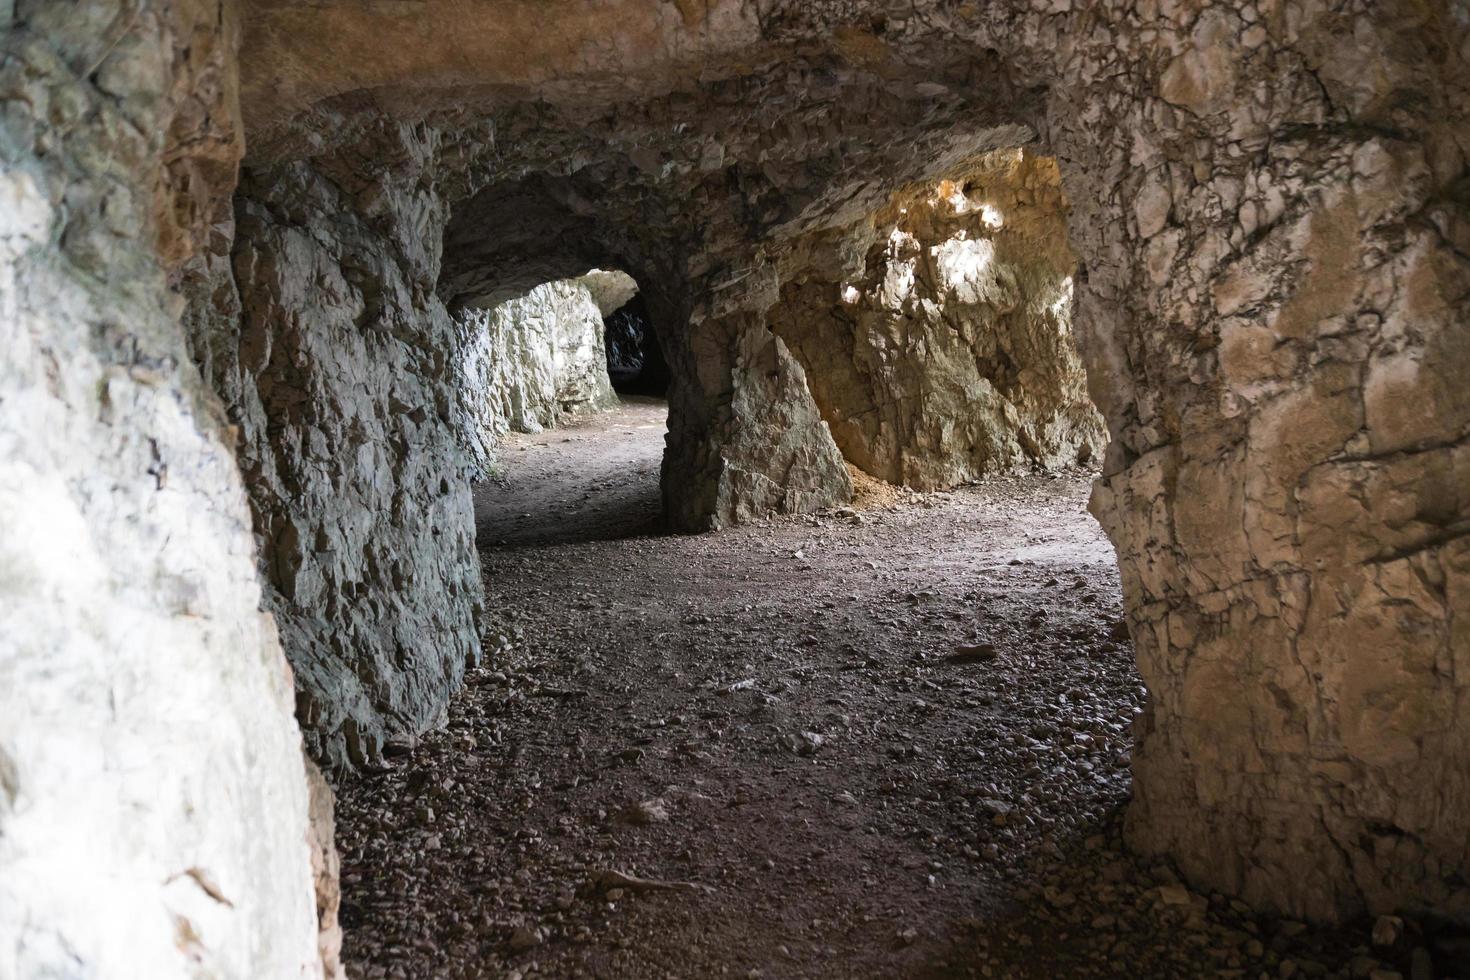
(960, 819)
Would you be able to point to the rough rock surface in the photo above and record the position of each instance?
(946, 352)
(1268, 200)
(153, 800)
(1276, 303)
(610, 290)
(529, 362)
(338, 374)
(776, 454)
(326, 870)
(1271, 311)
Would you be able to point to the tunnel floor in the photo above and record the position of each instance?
(889, 742)
(591, 480)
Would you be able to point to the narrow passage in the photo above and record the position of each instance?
(889, 741)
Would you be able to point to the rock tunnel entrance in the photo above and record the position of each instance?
(238, 443)
(879, 659)
(635, 360)
(572, 457)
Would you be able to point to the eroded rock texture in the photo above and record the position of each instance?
(1268, 205)
(339, 377)
(1271, 234)
(530, 362)
(773, 452)
(946, 351)
(153, 801)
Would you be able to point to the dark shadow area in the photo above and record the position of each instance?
(635, 361)
(594, 479)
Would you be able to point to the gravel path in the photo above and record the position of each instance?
(883, 743)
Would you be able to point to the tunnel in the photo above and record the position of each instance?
(635, 361)
(813, 488)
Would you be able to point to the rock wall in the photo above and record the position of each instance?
(1269, 209)
(1271, 304)
(153, 800)
(339, 373)
(947, 352)
(1274, 323)
(757, 447)
(529, 362)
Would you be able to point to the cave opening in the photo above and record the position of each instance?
(635, 360)
(569, 457)
(935, 661)
(879, 724)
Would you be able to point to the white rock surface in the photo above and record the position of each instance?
(153, 800)
(531, 361)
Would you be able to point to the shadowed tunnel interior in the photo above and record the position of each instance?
(1035, 543)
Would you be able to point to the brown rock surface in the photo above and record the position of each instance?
(947, 353)
(1272, 258)
(326, 871)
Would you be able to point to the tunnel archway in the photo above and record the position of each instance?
(504, 248)
(635, 358)
(1200, 255)
(1271, 316)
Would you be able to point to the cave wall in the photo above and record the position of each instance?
(746, 439)
(339, 372)
(945, 351)
(530, 362)
(1270, 203)
(153, 797)
(1272, 312)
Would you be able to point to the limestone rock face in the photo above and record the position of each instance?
(532, 361)
(153, 801)
(326, 869)
(609, 290)
(776, 455)
(948, 352)
(338, 376)
(1256, 253)
(1270, 303)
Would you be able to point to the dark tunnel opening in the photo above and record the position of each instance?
(635, 361)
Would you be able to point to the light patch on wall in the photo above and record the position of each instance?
(851, 294)
(25, 214)
(962, 263)
(898, 281)
(953, 193)
(1061, 307)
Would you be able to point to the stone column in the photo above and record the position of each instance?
(1276, 323)
(344, 385)
(745, 437)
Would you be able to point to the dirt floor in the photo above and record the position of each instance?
(866, 744)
